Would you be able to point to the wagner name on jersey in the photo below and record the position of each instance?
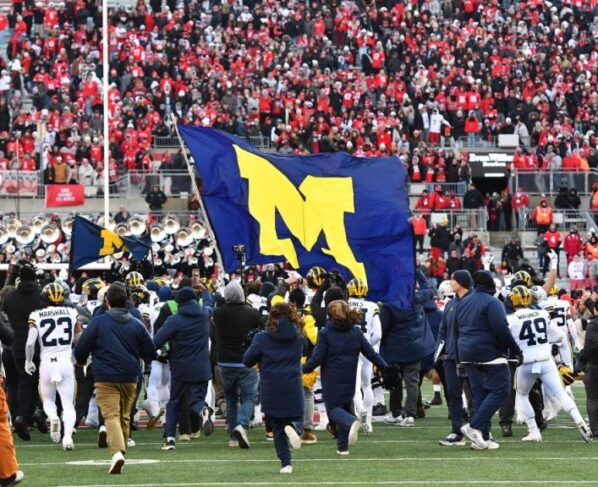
(535, 333)
(56, 327)
(370, 320)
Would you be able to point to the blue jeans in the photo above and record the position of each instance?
(490, 387)
(240, 386)
(281, 442)
(341, 415)
(193, 393)
(454, 385)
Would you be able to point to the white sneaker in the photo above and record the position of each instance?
(343, 452)
(233, 443)
(354, 432)
(131, 443)
(294, 439)
(586, 434)
(117, 464)
(67, 444)
(392, 419)
(475, 436)
(241, 436)
(407, 422)
(534, 436)
(287, 469)
(55, 430)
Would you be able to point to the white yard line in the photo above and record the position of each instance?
(378, 482)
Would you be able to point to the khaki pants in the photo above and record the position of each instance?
(115, 402)
(8, 456)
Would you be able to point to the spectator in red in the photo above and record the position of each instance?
(424, 203)
(438, 198)
(420, 229)
(453, 202)
(520, 203)
(553, 240)
(572, 244)
(472, 128)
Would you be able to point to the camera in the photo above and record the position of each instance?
(239, 249)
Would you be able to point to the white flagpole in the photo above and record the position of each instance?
(191, 170)
(106, 140)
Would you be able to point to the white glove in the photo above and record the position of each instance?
(30, 368)
(487, 261)
(554, 260)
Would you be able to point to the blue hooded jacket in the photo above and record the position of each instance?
(448, 328)
(406, 334)
(116, 341)
(189, 333)
(337, 351)
(483, 331)
(279, 357)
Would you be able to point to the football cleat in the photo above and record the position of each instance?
(586, 434)
(170, 445)
(153, 421)
(67, 444)
(55, 430)
(534, 436)
(436, 400)
(207, 424)
(506, 430)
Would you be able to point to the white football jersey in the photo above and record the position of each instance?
(56, 327)
(258, 302)
(309, 294)
(370, 323)
(534, 332)
(562, 309)
(91, 305)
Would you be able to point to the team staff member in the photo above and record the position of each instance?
(189, 334)
(9, 473)
(483, 345)
(447, 340)
(589, 357)
(117, 341)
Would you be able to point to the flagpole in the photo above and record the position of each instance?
(105, 70)
(191, 170)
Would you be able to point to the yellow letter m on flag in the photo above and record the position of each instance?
(318, 205)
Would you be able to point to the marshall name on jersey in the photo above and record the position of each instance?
(56, 327)
(535, 333)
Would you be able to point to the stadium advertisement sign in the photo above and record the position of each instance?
(58, 195)
(490, 165)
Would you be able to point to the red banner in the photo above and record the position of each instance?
(64, 195)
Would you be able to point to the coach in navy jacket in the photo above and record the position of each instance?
(189, 333)
(483, 344)
(407, 339)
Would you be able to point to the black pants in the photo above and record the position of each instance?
(590, 382)
(85, 388)
(27, 396)
(419, 242)
(12, 380)
(507, 410)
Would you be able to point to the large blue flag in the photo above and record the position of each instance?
(331, 210)
(90, 242)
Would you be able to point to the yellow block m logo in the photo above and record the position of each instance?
(111, 243)
(317, 206)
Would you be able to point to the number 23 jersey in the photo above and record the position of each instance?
(535, 333)
(56, 327)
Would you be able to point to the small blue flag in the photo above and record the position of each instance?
(331, 210)
(90, 242)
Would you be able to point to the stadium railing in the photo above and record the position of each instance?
(564, 219)
(172, 142)
(549, 182)
(468, 220)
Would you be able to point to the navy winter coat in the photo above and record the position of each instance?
(483, 331)
(189, 334)
(406, 334)
(279, 357)
(448, 329)
(337, 351)
(116, 341)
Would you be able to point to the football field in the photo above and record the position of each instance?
(391, 456)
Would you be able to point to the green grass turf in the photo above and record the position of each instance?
(392, 456)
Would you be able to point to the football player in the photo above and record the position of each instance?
(372, 329)
(560, 311)
(134, 279)
(315, 278)
(56, 328)
(534, 332)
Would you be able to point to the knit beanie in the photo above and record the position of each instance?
(185, 294)
(463, 278)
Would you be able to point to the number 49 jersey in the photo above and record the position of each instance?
(535, 333)
(56, 327)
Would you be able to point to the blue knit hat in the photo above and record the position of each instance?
(185, 294)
